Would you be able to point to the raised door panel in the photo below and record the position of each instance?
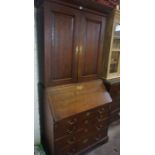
(91, 46)
(61, 40)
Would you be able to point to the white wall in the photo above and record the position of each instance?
(36, 104)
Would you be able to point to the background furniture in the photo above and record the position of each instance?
(113, 87)
(111, 62)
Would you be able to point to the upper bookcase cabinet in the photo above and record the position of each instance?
(73, 44)
(111, 58)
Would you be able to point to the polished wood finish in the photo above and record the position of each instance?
(61, 39)
(82, 95)
(77, 116)
(113, 87)
(76, 105)
(73, 44)
(91, 46)
(82, 143)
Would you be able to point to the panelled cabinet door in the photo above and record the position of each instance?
(61, 39)
(91, 46)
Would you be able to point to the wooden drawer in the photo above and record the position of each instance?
(102, 110)
(74, 124)
(92, 139)
(82, 143)
(66, 127)
(71, 139)
(88, 130)
(96, 125)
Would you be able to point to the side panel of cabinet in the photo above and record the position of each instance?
(91, 46)
(61, 39)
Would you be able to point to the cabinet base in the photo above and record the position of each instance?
(82, 152)
(93, 146)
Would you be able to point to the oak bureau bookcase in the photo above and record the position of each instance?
(74, 104)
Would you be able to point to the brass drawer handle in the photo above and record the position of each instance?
(101, 116)
(99, 119)
(85, 141)
(88, 114)
(72, 122)
(71, 141)
(69, 131)
(86, 122)
(101, 110)
(99, 127)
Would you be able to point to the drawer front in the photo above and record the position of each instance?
(87, 130)
(102, 111)
(74, 124)
(82, 143)
(92, 139)
(66, 127)
(70, 140)
(96, 125)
